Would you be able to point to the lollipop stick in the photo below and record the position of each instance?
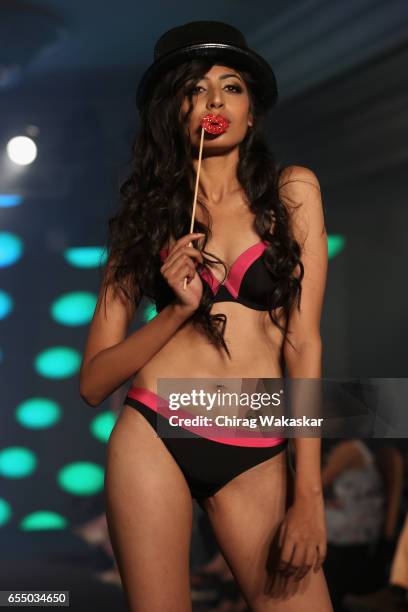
(196, 191)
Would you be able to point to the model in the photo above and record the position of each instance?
(256, 271)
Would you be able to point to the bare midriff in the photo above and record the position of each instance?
(254, 342)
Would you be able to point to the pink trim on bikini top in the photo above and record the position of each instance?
(237, 270)
(150, 399)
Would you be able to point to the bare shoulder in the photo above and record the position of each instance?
(299, 190)
(297, 179)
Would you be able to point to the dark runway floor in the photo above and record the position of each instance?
(85, 592)
(61, 561)
(57, 561)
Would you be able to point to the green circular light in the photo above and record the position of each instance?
(149, 312)
(5, 511)
(11, 249)
(336, 244)
(17, 462)
(75, 308)
(85, 257)
(38, 413)
(43, 519)
(6, 304)
(57, 362)
(102, 425)
(81, 478)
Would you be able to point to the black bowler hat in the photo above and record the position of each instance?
(212, 40)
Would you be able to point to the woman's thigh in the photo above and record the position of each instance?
(245, 515)
(149, 515)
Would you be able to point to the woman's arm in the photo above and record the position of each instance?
(110, 358)
(112, 366)
(303, 532)
(299, 185)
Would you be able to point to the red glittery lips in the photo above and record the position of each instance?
(214, 124)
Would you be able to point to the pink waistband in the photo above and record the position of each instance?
(161, 406)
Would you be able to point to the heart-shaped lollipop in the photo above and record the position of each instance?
(214, 124)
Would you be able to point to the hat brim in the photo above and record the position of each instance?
(246, 59)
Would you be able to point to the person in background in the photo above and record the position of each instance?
(393, 596)
(354, 509)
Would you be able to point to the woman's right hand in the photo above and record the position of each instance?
(180, 263)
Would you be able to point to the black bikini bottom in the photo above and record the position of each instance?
(206, 464)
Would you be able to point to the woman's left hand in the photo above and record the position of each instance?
(302, 537)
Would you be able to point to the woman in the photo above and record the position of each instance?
(238, 328)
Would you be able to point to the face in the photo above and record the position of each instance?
(222, 91)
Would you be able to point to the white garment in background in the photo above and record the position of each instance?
(359, 493)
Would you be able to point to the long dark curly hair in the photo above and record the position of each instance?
(156, 204)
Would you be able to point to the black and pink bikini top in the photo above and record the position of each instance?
(248, 281)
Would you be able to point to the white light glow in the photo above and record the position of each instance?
(22, 150)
